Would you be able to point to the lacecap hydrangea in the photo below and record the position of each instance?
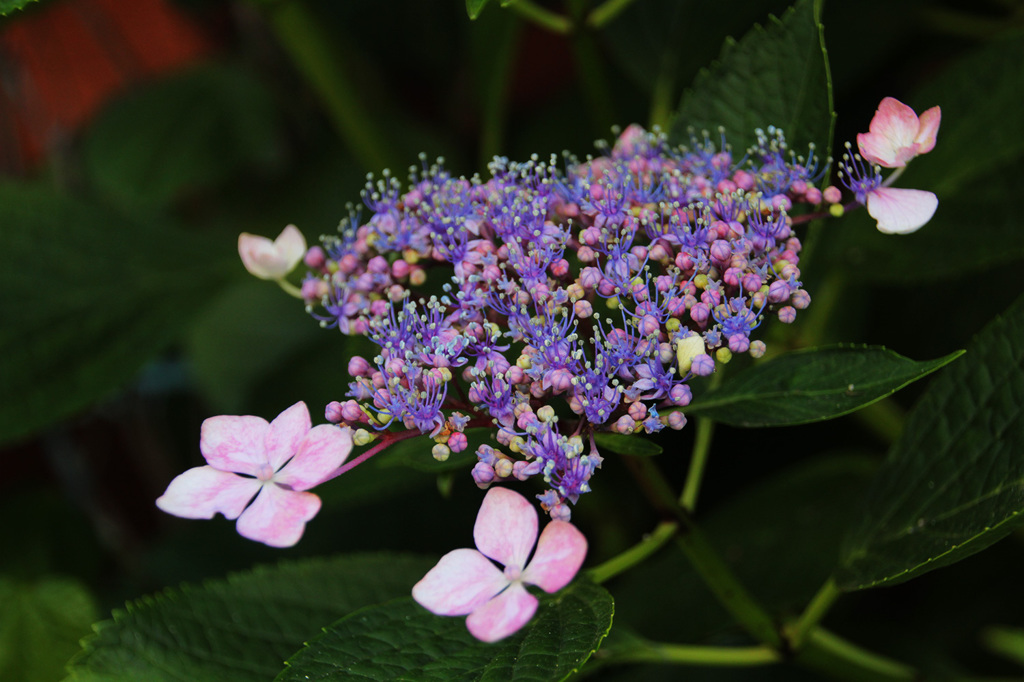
(561, 298)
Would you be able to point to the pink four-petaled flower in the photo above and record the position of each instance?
(273, 463)
(466, 582)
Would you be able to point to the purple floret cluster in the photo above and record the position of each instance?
(562, 298)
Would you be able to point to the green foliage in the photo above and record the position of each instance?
(973, 170)
(241, 628)
(475, 7)
(952, 485)
(775, 75)
(114, 292)
(40, 624)
(402, 640)
(627, 445)
(811, 385)
(182, 134)
(8, 6)
(1008, 642)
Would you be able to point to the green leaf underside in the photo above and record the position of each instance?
(475, 7)
(811, 385)
(41, 622)
(115, 291)
(954, 482)
(775, 75)
(403, 641)
(972, 180)
(242, 628)
(627, 445)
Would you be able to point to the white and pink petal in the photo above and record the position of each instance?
(278, 517)
(202, 492)
(234, 443)
(285, 434)
(463, 580)
(502, 616)
(901, 211)
(321, 452)
(560, 553)
(506, 527)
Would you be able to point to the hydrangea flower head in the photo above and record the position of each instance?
(466, 582)
(896, 134)
(272, 259)
(258, 472)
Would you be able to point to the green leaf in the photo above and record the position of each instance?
(402, 640)
(954, 482)
(775, 75)
(1007, 642)
(187, 132)
(87, 297)
(241, 628)
(475, 7)
(8, 6)
(977, 183)
(40, 624)
(627, 445)
(811, 385)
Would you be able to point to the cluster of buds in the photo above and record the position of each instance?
(608, 283)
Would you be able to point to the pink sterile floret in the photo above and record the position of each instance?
(272, 259)
(248, 458)
(900, 211)
(466, 582)
(897, 135)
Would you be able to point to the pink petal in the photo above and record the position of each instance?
(890, 142)
(201, 492)
(560, 553)
(271, 260)
(324, 449)
(503, 615)
(929, 130)
(506, 527)
(286, 433)
(899, 211)
(236, 444)
(278, 516)
(461, 581)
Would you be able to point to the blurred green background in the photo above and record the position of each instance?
(139, 137)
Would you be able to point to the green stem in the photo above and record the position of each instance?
(315, 56)
(635, 554)
(813, 614)
(289, 288)
(494, 106)
(607, 11)
(542, 17)
(831, 654)
(701, 449)
(598, 97)
(713, 570)
(663, 93)
(656, 652)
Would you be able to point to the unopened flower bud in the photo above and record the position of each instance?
(362, 437)
(687, 349)
(440, 452)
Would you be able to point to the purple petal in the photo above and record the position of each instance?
(560, 553)
(899, 211)
(461, 581)
(278, 516)
(503, 615)
(236, 444)
(323, 450)
(506, 527)
(201, 492)
(286, 433)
